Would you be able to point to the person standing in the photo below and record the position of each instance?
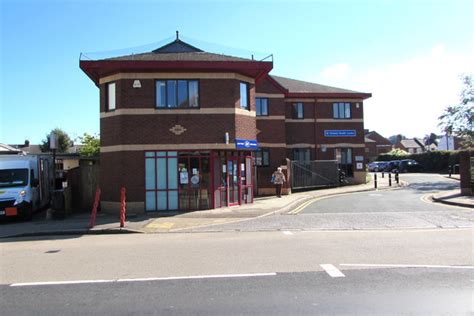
(278, 178)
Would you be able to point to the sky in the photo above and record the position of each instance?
(408, 54)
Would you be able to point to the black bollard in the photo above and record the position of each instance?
(375, 180)
(397, 179)
(389, 179)
(450, 170)
(382, 175)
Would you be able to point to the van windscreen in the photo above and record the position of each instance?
(13, 178)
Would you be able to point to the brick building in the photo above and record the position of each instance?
(179, 127)
(375, 145)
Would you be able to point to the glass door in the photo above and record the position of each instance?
(233, 181)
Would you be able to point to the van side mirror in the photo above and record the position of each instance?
(34, 183)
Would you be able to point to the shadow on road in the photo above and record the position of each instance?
(433, 186)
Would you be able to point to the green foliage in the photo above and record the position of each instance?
(397, 152)
(91, 145)
(64, 142)
(458, 119)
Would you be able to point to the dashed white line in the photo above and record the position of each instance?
(286, 232)
(406, 266)
(215, 276)
(332, 271)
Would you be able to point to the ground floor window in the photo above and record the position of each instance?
(344, 157)
(192, 180)
(302, 154)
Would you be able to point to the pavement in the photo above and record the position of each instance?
(78, 224)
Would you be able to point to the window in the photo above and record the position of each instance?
(262, 157)
(111, 96)
(177, 94)
(244, 96)
(297, 110)
(301, 154)
(262, 106)
(341, 110)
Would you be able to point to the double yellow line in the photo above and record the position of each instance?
(304, 205)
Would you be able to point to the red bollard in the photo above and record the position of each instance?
(94, 208)
(123, 207)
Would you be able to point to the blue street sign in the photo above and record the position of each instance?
(246, 144)
(340, 133)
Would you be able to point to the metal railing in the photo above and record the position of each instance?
(314, 174)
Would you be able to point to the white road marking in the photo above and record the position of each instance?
(375, 194)
(406, 266)
(215, 276)
(287, 232)
(62, 282)
(332, 271)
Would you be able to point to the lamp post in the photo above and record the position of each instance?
(53, 145)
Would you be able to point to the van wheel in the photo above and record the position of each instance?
(27, 213)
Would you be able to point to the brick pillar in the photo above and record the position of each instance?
(465, 172)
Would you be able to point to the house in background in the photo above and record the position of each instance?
(411, 146)
(9, 150)
(376, 144)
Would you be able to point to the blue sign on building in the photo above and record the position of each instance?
(340, 133)
(246, 144)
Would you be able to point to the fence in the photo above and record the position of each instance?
(314, 174)
(83, 182)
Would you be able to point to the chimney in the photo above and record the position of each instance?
(27, 143)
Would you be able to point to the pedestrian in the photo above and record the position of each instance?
(278, 178)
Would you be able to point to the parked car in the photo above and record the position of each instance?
(377, 166)
(392, 166)
(409, 165)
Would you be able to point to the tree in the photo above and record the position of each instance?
(397, 152)
(394, 138)
(91, 145)
(457, 119)
(432, 138)
(64, 142)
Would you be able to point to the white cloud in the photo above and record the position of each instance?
(407, 96)
(335, 72)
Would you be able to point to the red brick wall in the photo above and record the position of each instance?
(155, 129)
(122, 168)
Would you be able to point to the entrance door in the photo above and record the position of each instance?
(233, 180)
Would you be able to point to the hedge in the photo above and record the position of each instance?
(432, 161)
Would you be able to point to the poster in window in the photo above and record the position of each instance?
(183, 176)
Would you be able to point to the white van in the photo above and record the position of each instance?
(26, 183)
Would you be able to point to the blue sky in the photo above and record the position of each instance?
(409, 54)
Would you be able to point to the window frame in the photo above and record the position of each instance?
(247, 99)
(344, 106)
(176, 94)
(293, 153)
(295, 114)
(107, 96)
(257, 107)
(262, 151)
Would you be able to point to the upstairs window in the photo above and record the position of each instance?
(111, 96)
(244, 96)
(341, 110)
(262, 106)
(262, 157)
(297, 110)
(177, 94)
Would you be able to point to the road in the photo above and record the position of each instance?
(403, 208)
(426, 269)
